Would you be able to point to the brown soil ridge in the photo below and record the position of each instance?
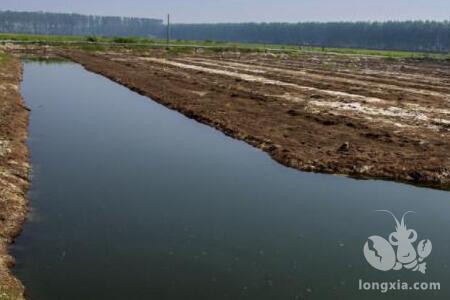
(311, 123)
(14, 171)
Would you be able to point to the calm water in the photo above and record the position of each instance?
(134, 201)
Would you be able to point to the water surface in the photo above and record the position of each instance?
(131, 200)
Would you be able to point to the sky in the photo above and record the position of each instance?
(203, 11)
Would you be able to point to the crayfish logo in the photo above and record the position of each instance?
(398, 252)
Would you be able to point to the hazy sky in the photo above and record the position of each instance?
(246, 10)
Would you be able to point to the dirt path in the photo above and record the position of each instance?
(14, 170)
(362, 117)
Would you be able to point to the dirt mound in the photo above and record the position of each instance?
(14, 171)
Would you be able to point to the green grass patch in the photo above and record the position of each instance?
(92, 39)
(123, 40)
(93, 48)
(41, 38)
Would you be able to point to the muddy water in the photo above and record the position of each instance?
(131, 200)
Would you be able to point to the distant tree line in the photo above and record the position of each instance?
(75, 24)
(407, 35)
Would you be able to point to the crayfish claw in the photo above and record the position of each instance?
(422, 268)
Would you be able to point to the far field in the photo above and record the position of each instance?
(214, 46)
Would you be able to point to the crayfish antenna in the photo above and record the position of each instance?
(397, 223)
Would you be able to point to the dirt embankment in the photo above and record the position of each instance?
(14, 170)
(358, 116)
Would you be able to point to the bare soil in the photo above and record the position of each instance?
(364, 117)
(14, 171)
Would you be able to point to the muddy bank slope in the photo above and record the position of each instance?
(14, 170)
(359, 116)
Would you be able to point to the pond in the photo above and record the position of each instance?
(131, 200)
